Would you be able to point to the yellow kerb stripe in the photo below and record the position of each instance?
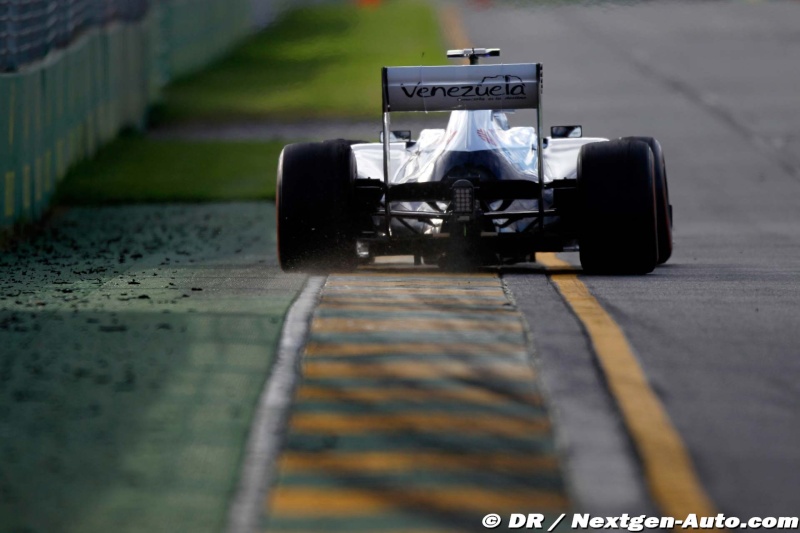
(420, 422)
(383, 462)
(413, 305)
(365, 272)
(464, 395)
(418, 369)
(669, 472)
(497, 292)
(354, 502)
(417, 300)
(414, 282)
(383, 307)
(366, 325)
(417, 348)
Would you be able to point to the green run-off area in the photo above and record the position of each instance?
(135, 343)
(138, 169)
(320, 62)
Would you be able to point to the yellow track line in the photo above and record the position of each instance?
(453, 26)
(669, 472)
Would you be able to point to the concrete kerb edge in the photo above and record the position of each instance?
(258, 466)
(562, 441)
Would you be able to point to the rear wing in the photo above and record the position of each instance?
(463, 87)
(455, 87)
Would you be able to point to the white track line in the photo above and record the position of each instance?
(272, 416)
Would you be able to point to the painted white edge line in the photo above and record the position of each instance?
(272, 415)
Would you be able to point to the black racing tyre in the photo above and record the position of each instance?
(314, 202)
(349, 142)
(663, 211)
(617, 208)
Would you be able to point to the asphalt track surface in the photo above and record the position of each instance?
(716, 329)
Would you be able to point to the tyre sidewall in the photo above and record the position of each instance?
(617, 217)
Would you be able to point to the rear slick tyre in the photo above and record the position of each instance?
(617, 230)
(663, 211)
(314, 204)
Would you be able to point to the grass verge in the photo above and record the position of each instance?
(137, 169)
(320, 62)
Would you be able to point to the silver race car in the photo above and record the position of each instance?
(477, 192)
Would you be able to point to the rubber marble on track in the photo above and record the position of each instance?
(134, 343)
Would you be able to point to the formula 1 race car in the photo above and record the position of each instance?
(477, 192)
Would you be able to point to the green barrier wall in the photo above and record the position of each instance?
(58, 111)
